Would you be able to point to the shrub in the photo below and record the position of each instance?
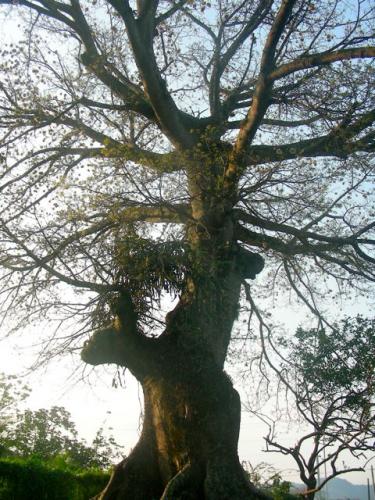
(32, 479)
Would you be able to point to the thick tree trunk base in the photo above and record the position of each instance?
(226, 480)
(188, 447)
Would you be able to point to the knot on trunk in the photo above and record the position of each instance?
(102, 347)
(248, 264)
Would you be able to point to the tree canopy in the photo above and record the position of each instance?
(114, 114)
(51, 435)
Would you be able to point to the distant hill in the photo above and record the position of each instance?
(341, 489)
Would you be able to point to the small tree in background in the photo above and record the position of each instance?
(12, 393)
(269, 480)
(330, 377)
(43, 433)
(50, 435)
(47, 434)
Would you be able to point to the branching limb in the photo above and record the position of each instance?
(339, 143)
(235, 124)
(169, 13)
(159, 214)
(39, 263)
(300, 234)
(220, 62)
(141, 33)
(264, 84)
(260, 99)
(122, 343)
(321, 59)
(288, 248)
(112, 148)
(73, 17)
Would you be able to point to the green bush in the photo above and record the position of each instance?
(31, 479)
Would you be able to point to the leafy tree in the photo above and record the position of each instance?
(12, 393)
(47, 434)
(152, 151)
(43, 432)
(51, 435)
(331, 377)
(102, 453)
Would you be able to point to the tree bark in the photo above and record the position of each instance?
(188, 446)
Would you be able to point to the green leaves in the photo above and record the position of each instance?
(48, 434)
(343, 359)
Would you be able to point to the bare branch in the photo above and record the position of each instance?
(264, 84)
(321, 60)
(141, 35)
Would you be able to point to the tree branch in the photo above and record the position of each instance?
(160, 162)
(336, 143)
(234, 124)
(169, 13)
(320, 59)
(301, 234)
(39, 263)
(140, 32)
(221, 63)
(122, 343)
(159, 214)
(264, 84)
(260, 99)
(278, 245)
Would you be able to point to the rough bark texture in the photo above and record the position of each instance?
(188, 447)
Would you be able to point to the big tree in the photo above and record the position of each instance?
(152, 152)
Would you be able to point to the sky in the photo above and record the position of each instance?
(89, 396)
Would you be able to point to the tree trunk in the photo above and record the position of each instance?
(311, 485)
(188, 447)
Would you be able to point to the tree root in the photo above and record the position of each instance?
(226, 480)
(135, 478)
(186, 484)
